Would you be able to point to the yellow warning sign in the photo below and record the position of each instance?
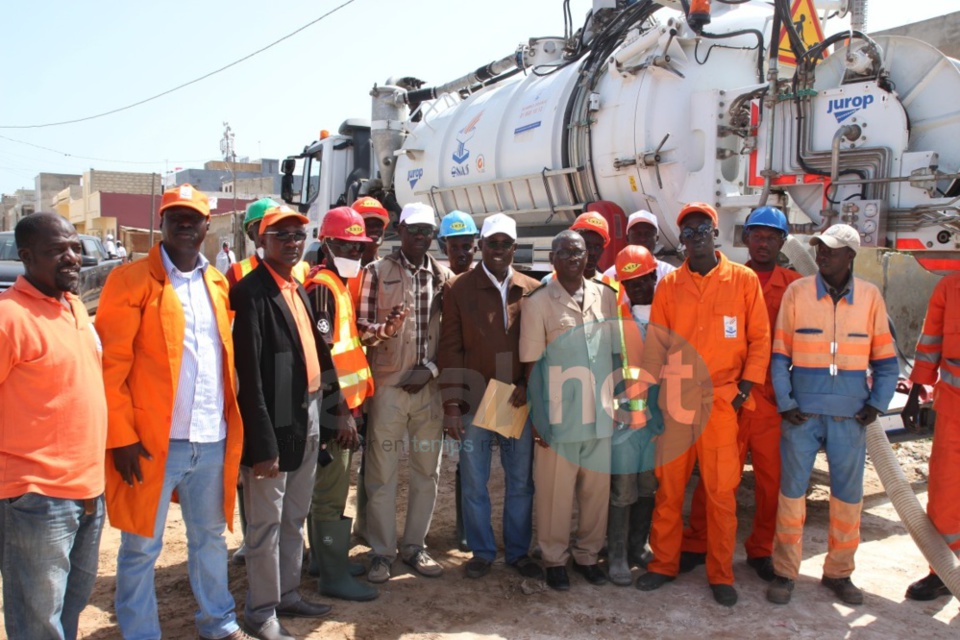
(804, 17)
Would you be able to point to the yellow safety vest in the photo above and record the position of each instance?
(353, 370)
(242, 268)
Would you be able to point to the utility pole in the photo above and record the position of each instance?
(153, 208)
(229, 152)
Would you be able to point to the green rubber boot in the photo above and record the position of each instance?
(333, 545)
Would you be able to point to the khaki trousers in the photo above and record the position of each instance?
(395, 414)
(562, 473)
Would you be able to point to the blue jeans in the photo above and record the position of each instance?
(49, 551)
(846, 445)
(195, 470)
(516, 457)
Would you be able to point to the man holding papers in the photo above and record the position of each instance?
(479, 343)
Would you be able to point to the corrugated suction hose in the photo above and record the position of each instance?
(928, 539)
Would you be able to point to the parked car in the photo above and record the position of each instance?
(96, 265)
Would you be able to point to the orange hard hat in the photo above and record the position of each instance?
(369, 207)
(592, 221)
(343, 223)
(634, 261)
(698, 207)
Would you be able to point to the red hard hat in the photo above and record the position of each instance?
(343, 223)
(634, 261)
(370, 208)
(592, 221)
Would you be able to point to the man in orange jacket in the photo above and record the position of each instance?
(764, 231)
(173, 422)
(714, 309)
(938, 350)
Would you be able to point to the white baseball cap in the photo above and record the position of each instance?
(499, 223)
(418, 213)
(839, 235)
(642, 216)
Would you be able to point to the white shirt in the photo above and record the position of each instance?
(224, 260)
(121, 252)
(663, 268)
(198, 405)
(503, 287)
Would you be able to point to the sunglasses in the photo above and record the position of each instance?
(689, 233)
(420, 230)
(498, 244)
(347, 245)
(287, 236)
(567, 254)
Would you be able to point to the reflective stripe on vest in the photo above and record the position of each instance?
(353, 370)
(245, 266)
(630, 373)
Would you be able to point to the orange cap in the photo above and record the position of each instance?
(273, 215)
(185, 195)
(369, 207)
(591, 221)
(634, 261)
(698, 207)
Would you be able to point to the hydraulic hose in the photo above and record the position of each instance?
(928, 539)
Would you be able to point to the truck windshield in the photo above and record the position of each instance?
(8, 248)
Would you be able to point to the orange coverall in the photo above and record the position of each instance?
(759, 435)
(939, 348)
(713, 332)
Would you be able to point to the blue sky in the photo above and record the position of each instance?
(65, 60)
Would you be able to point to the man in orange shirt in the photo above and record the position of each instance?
(173, 418)
(280, 357)
(53, 430)
(764, 231)
(710, 312)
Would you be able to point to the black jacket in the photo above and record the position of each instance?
(272, 372)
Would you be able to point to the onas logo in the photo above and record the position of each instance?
(843, 108)
(354, 229)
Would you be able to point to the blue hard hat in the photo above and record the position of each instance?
(768, 217)
(457, 223)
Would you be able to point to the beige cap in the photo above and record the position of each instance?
(839, 235)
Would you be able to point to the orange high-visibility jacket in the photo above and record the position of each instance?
(726, 324)
(353, 370)
(141, 325)
(938, 347)
(238, 270)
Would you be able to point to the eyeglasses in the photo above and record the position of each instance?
(287, 236)
(498, 244)
(689, 233)
(567, 254)
(420, 230)
(347, 245)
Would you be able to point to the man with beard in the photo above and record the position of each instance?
(53, 425)
(402, 354)
(174, 424)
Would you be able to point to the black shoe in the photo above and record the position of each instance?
(558, 579)
(763, 566)
(651, 581)
(929, 588)
(844, 589)
(269, 630)
(690, 560)
(724, 594)
(528, 567)
(780, 590)
(592, 572)
(303, 609)
(477, 567)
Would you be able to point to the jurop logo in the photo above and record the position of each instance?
(843, 108)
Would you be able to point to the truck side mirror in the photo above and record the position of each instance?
(286, 189)
(88, 261)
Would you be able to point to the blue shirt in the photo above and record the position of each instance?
(198, 406)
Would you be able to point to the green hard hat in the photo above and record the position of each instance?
(255, 210)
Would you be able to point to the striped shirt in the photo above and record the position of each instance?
(373, 332)
(198, 406)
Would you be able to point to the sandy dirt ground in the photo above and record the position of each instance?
(503, 605)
